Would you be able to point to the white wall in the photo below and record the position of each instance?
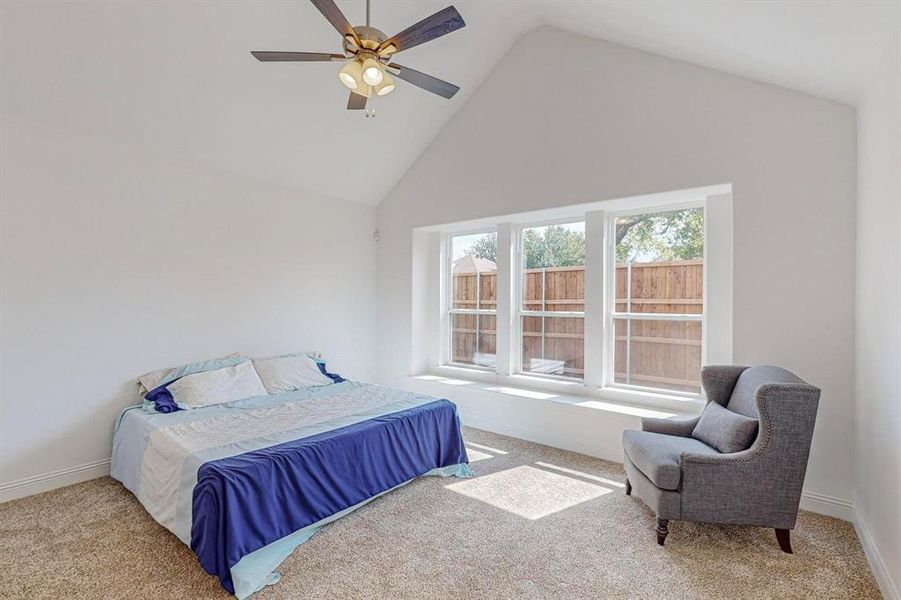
(613, 122)
(115, 263)
(878, 376)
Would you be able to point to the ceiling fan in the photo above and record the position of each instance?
(368, 52)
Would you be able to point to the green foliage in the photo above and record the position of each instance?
(676, 235)
(555, 246)
(552, 246)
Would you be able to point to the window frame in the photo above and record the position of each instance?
(447, 302)
(611, 314)
(517, 276)
(717, 320)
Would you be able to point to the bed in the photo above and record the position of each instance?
(245, 483)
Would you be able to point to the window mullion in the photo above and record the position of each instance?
(445, 291)
(505, 298)
(595, 297)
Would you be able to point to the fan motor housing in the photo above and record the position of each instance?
(370, 38)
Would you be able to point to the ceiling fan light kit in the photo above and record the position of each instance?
(351, 75)
(372, 72)
(368, 52)
(385, 87)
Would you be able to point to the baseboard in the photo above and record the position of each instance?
(828, 505)
(889, 587)
(591, 449)
(45, 482)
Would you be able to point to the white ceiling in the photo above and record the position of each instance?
(177, 78)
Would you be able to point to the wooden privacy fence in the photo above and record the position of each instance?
(659, 353)
(656, 353)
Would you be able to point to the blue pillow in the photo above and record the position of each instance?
(162, 399)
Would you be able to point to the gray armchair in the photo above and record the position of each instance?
(680, 477)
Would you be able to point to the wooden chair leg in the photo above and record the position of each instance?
(662, 530)
(628, 488)
(783, 536)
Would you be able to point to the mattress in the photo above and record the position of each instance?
(243, 484)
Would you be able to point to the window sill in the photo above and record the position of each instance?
(568, 392)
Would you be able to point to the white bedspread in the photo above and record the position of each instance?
(157, 456)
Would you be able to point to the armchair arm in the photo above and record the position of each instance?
(719, 381)
(761, 485)
(679, 427)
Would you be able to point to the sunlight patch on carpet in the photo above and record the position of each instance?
(475, 455)
(485, 448)
(529, 492)
(603, 480)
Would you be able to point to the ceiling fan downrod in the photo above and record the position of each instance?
(369, 111)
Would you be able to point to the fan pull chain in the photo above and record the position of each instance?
(370, 105)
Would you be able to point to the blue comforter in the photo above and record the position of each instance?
(245, 483)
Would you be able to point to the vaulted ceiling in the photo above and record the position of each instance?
(177, 78)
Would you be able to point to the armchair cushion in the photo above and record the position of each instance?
(725, 430)
(659, 456)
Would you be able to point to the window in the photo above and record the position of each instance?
(472, 306)
(552, 307)
(658, 308)
(619, 299)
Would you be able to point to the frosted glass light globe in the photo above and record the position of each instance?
(351, 75)
(372, 72)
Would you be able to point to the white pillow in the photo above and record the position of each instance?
(152, 380)
(217, 387)
(288, 373)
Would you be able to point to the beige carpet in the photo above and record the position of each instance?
(536, 522)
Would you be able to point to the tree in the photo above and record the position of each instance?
(675, 235)
(484, 247)
(552, 246)
(555, 246)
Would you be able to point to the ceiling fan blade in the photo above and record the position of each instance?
(356, 102)
(330, 11)
(441, 23)
(295, 56)
(426, 82)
